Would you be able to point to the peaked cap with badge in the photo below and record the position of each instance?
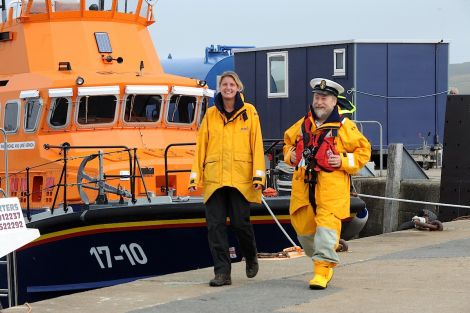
(326, 87)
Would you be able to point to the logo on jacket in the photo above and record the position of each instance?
(244, 129)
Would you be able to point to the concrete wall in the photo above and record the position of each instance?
(422, 190)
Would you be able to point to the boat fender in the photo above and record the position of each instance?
(352, 228)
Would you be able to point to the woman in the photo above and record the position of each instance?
(229, 161)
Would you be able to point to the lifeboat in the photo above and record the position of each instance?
(98, 143)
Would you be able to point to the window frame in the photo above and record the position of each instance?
(18, 103)
(36, 125)
(77, 111)
(69, 110)
(167, 109)
(269, 55)
(339, 71)
(152, 123)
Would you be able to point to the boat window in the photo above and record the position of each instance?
(59, 114)
(99, 5)
(142, 108)
(10, 120)
(145, 9)
(203, 110)
(181, 109)
(37, 7)
(32, 113)
(126, 6)
(67, 5)
(96, 110)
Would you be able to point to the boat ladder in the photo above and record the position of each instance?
(9, 261)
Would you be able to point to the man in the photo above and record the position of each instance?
(325, 149)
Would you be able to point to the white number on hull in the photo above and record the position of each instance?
(134, 253)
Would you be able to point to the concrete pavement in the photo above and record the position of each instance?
(399, 272)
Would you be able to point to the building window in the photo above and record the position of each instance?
(278, 82)
(339, 59)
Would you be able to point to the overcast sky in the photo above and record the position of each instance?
(185, 27)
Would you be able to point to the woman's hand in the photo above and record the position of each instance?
(192, 189)
(257, 186)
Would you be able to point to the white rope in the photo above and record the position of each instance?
(397, 97)
(415, 201)
(277, 222)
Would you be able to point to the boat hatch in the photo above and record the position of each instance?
(29, 94)
(146, 90)
(60, 92)
(98, 91)
(209, 93)
(188, 91)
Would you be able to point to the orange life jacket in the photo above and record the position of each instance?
(316, 148)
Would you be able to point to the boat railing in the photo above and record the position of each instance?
(272, 143)
(167, 171)
(135, 171)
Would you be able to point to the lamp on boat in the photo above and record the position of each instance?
(201, 83)
(65, 66)
(80, 80)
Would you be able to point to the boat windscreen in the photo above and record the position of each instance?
(181, 109)
(142, 108)
(96, 110)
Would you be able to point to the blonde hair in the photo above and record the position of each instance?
(234, 76)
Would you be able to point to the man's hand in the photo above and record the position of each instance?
(334, 160)
(192, 189)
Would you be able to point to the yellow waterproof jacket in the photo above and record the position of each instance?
(332, 191)
(229, 152)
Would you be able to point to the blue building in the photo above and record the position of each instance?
(402, 85)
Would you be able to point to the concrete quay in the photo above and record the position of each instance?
(398, 272)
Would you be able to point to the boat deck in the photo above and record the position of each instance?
(406, 271)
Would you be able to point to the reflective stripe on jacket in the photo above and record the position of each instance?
(229, 152)
(332, 188)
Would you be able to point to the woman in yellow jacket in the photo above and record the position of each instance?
(325, 148)
(229, 161)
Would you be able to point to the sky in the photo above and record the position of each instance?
(185, 28)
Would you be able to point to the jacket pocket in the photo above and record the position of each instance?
(212, 169)
(242, 168)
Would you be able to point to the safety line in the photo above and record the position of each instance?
(397, 97)
(277, 222)
(414, 201)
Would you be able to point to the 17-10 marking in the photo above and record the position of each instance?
(133, 253)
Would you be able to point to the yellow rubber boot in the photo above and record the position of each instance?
(323, 272)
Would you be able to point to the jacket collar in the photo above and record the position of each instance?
(219, 103)
(334, 117)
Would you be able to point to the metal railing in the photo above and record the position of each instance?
(380, 140)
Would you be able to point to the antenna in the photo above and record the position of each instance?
(141, 68)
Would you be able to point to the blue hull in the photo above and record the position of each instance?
(109, 246)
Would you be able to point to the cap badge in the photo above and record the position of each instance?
(323, 84)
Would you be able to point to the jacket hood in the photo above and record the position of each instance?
(219, 102)
(334, 116)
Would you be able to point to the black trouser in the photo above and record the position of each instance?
(228, 201)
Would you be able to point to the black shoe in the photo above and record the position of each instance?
(220, 280)
(252, 268)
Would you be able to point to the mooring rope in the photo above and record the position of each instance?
(415, 201)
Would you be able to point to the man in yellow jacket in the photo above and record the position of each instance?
(229, 160)
(325, 148)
